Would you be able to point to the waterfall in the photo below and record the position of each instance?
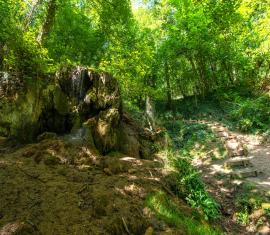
(81, 83)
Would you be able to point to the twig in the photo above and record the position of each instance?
(167, 189)
(31, 176)
(125, 226)
(32, 224)
(140, 213)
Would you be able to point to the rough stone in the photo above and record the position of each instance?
(76, 98)
(232, 145)
(46, 136)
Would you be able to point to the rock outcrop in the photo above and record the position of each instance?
(77, 101)
(97, 99)
(76, 97)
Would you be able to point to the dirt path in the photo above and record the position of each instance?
(259, 154)
(247, 161)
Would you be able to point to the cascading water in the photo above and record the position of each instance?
(81, 83)
(76, 136)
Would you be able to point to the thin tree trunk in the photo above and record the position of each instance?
(150, 112)
(149, 104)
(203, 75)
(32, 13)
(168, 88)
(195, 71)
(1, 56)
(214, 75)
(48, 23)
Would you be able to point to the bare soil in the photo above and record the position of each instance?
(58, 187)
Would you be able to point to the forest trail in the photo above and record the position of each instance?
(247, 162)
(248, 156)
(260, 158)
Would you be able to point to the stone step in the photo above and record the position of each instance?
(238, 161)
(219, 129)
(232, 137)
(232, 145)
(223, 134)
(237, 153)
(244, 173)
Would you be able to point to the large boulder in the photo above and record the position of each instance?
(76, 95)
(29, 107)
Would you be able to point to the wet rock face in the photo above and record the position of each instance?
(77, 97)
(98, 101)
(74, 82)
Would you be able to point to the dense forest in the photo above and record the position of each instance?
(134, 117)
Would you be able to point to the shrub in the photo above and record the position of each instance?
(248, 113)
(190, 185)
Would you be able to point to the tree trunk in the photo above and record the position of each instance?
(150, 112)
(168, 88)
(203, 76)
(48, 22)
(1, 56)
(31, 15)
(195, 71)
(149, 104)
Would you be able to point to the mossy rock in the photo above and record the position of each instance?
(60, 101)
(3, 140)
(47, 136)
(50, 160)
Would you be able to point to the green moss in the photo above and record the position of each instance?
(60, 101)
(22, 113)
(51, 160)
(168, 211)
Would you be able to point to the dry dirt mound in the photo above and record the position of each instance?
(57, 187)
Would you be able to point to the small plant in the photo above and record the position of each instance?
(188, 221)
(242, 217)
(248, 113)
(267, 213)
(191, 186)
(51, 160)
(246, 202)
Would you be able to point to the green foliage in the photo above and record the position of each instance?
(191, 186)
(165, 49)
(192, 140)
(247, 200)
(19, 50)
(74, 36)
(267, 213)
(79, 32)
(249, 113)
(242, 217)
(168, 211)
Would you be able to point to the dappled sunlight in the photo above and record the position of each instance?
(134, 117)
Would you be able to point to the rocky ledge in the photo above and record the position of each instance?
(75, 100)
